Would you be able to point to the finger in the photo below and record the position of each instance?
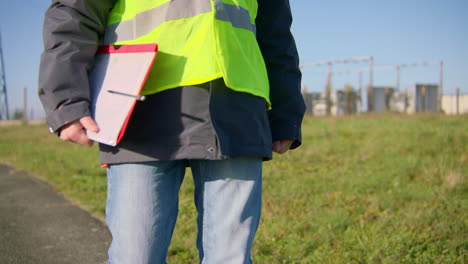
(286, 145)
(89, 124)
(84, 140)
(70, 131)
(80, 137)
(276, 146)
(282, 146)
(75, 133)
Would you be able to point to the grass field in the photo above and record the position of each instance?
(362, 189)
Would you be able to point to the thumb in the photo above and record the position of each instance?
(89, 124)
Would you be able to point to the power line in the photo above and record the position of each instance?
(387, 67)
(330, 62)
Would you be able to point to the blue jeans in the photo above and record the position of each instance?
(142, 208)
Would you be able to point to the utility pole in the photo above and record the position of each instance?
(370, 89)
(360, 97)
(397, 85)
(25, 104)
(328, 88)
(441, 84)
(304, 91)
(3, 93)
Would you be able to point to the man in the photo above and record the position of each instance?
(224, 93)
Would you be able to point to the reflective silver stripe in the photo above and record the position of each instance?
(147, 21)
(238, 16)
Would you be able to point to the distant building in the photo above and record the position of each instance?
(399, 102)
(311, 99)
(345, 102)
(450, 104)
(424, 98)
(382, 96)
(342, 103)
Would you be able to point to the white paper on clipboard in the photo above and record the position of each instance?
(116, 81)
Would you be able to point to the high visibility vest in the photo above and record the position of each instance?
(198, 41)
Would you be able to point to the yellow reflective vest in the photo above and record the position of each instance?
(198, 41)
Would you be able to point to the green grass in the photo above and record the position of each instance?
(361, 189)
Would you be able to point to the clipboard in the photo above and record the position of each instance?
(116, 80)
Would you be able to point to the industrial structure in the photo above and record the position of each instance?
(424, 97)
(328, 88)
(3, 92)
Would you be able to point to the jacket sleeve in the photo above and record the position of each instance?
(282, 62)
(71, 33)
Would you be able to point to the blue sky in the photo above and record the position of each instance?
(392, 31)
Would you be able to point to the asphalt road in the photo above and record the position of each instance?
(38, 225)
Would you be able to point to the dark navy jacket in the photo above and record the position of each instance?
(206, 121)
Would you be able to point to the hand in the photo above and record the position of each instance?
(282, 146)
(76, 131)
